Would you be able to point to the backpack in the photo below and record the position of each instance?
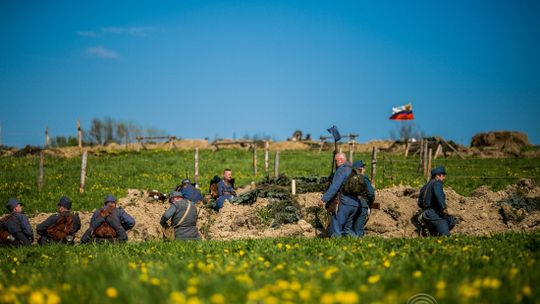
(59, 230)
(5, 236)
(355, 184)
(105, 231)
(213, 189)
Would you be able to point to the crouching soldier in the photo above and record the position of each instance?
(183, 216)
(366, 200)
(225, 189)
(15, 228)
(109, 223)
(432, 201)
(60, 227)
(189, 191)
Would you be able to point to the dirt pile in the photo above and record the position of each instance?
(510, 142)
(516, 208)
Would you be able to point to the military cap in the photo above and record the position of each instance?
(438, 170)
(12, 203)
(65, 202)
(186, 181)
(110, 198)
(175, 194)
(358, 164)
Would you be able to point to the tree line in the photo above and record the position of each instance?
(105, 131)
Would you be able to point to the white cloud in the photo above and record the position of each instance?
(134, 31)
(102, 52)
(87, 33)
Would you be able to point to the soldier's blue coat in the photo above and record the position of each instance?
(19, 226)
(361, 215)
(191, 193)
(188, 228)
(342, 222)
(41, 228)
(119, 220)
(225, 192)
(433, 200)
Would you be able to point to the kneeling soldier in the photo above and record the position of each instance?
(183, 216)
(432, 201)
(15, 228)
(60, 227)
(109, 223)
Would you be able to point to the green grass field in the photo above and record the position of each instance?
(162, 170)
(502, 268)
(498, 269)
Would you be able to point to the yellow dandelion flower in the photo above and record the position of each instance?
(526, 290)
(386, 263)
(217, 299)
(191, 290)
(111, 292)
(440, 285)
(347, 297)
(327, 298)
(374, 279)
(154, 281)
(417, 274)
(177, 297)
(36, 297)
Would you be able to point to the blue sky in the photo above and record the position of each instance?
(199, 69)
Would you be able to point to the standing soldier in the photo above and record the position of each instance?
(183, 216)
(15, 228)
(362, 214)
(60, 227)
(109, 223)
(342, 221)
(432, 201)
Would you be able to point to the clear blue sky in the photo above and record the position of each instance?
(200, 69)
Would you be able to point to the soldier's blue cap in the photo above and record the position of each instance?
(186, 181)
(175, 194)
(358, 164)
(438, 170)
(12, 203)
(110, 198)
(65, 202)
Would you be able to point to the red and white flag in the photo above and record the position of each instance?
(402, 113)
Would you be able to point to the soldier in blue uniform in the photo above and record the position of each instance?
(341, 223)
(17, 225)
(117, 218)
(183, 216)
(225, 189)
(432, 201)
(189, 191)
(64, 207)
(362, 213)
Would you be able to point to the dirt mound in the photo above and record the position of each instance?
(506, 141)
(515, 209)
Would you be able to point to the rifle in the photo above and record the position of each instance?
(335, 133)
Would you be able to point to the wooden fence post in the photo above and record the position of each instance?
(438, 151)
(254, 160)
(79, 132)
(373, 166)
(428, 171)
(420, 163)
(266, 148)
(197, 167)
(351, 150)
(41, 170)
(276, 165)
(425, 157)
(293, 187)
(47, 137)
(407, 147)
(83, 170)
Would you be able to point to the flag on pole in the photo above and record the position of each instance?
(335, 133)
(402, 113)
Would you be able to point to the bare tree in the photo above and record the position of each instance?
(122, 132)
(96, 131)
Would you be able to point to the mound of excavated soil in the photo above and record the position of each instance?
(515, 209)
